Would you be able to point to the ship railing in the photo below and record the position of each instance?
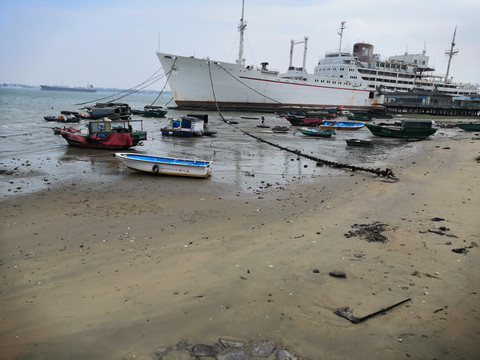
(336, 53)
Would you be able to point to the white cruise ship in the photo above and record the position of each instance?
(341, 79)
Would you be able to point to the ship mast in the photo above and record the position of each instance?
(342, 27)
(450, 54)
(241, 29)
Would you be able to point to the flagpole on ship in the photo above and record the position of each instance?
(241, 29)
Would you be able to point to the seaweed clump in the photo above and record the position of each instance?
(370, 232)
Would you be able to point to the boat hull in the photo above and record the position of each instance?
(341, 125)
(359, 118)
(399, 132)
(114, 141)
(359, 142)
(166, 165)
(304, 121)
(151, 111)
(61, 119)
(201, 83)
(317, 132)
(469, 127)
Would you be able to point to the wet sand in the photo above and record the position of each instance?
(90, 273)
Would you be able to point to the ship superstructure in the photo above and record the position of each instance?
(405, 72)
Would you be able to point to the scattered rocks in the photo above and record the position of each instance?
(370, 232)
(262, 350)
(233, 355)
(464, 250)
(225, 350)
(231, 343)
(441, 309)
(205, 350)
(438, 232)
(283, 354)
(6, 172)
(418, 274)
(338, 274)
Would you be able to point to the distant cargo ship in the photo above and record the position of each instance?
(88, 88)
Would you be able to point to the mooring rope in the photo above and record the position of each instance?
(387, 173)
(130, 91)
(241, 82)
(166, 82)
(213, 92)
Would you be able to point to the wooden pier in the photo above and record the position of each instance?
(431, 103)
(432, 110)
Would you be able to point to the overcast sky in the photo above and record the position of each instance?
(113, 43)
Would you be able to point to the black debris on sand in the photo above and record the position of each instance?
(370, 232)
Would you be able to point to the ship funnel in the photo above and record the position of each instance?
(363, 51)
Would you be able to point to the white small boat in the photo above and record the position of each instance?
(166, 165)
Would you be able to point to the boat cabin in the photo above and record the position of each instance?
(417, 124)
(188, 123)
(100, 110)
(107, 126)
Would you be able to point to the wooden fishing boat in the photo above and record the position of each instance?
(151, 111)
(58, 130)
(341, 125)
(469, 126)
(110, 110)
(360, 142)
(187, 126)
(105, 134)
(379, 112)
(359, 117)
(309, 118)
(280, 129)
(317, 132)
(166, 165)
(304, 120)
(407, 129)
(66, 117)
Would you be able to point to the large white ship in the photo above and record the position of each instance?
(352, 80)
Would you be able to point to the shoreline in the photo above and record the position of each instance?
(112, 274)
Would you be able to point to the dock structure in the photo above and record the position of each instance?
(432, 103)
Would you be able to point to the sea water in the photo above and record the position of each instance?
(32, 158)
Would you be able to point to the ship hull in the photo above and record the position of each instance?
(200, 83)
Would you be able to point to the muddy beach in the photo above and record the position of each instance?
(120, 269)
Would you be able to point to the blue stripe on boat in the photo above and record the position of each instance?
(168, 160)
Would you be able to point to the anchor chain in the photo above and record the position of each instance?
(386, 173)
